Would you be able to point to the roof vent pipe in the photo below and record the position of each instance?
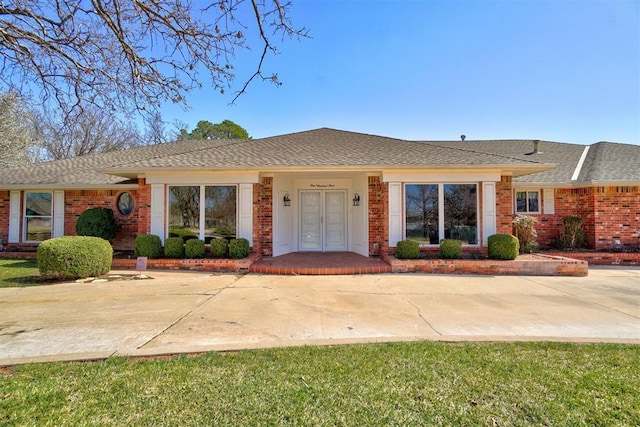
(536, 142)
(463, 137)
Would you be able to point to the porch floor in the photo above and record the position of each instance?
(320, 263)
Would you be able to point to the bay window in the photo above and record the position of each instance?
(441, 211)
(205, 212)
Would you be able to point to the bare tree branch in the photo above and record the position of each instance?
(130, 55)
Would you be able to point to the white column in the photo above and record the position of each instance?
(488, 210)
(245, 212)
(157, 211)
(14, 217)
(58, 214)
(395, 213)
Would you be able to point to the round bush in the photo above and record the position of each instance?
(173, 247)
(450, 248)
(74, 257)
(219, 248)
(239, 248)
(408, 249)
(98, 222)
(148, 245)
(503, 246)
(194, 248)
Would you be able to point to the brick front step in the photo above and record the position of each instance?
(525, 265)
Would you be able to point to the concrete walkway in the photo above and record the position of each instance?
(177, 312)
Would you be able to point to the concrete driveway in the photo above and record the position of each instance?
(177, 312)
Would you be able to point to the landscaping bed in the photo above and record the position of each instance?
(524, 265)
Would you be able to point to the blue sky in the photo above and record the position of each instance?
(554, 70)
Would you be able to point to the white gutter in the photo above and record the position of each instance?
(576, 173)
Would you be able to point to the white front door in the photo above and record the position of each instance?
(323, 220)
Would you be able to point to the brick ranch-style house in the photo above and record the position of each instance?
(331, 190)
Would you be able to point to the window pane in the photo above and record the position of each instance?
(220, 212)
(38, 229)
(461, 212)
(521, 201)
(184, 211)
(37, 204)
(533, 201)
(421, 203)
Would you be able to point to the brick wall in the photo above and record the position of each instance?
(143, 203)
(127, 227)
(504, 205)
(378, 216)
(4, 217)
(616, 217)
(610, 214)
(263, 217)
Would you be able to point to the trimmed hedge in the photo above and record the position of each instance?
(97, 222)
(148, 245)
(74, 257)
(239, 248)
(450, 248)
(219, 248)
(194, 248)
(503, 246)
(173, 247)
(407, 249)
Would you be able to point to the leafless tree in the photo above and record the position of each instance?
(87, 131)
(16, 136)
(133, 55)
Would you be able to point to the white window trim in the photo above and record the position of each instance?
(515, 201)
(441, 211)
(202, 203)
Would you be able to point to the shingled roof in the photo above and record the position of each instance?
(325, 149)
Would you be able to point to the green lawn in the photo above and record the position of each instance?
(422, 383)
(19, 272)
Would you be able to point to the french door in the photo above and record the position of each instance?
(323, 220)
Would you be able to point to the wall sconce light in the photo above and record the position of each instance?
(287, 200)
(356, 199)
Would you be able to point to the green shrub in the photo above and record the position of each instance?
(407, 249)
(148, 245)
(524, 228)
(571, 233)
(219, 248)
(194, 248)
(173, 247)
(503, 246)
(239, 248)
(184, 233)
(73, 257)
(97, 222)
(450, 248)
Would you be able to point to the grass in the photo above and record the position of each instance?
(19, 273)
(420, 383)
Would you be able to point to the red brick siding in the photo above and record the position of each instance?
(4, 217)
(504, 205)
(127, 227)
(610, 214)
(143, 203)
(616, 216)
(263, 217)
(378, 219)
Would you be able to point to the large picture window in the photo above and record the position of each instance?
(37, 216)
(202, 211)
(441, 211)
